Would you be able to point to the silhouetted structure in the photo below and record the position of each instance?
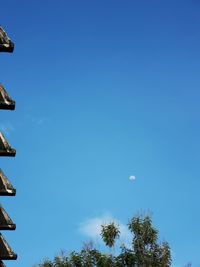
(5, 149)
(6, 189)
(6, 252)
(5, 101)
(2, 264)
(5, 221)
(6, 45)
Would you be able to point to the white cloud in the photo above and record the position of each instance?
(92, 228)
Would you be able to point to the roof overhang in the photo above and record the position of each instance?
(6, 45)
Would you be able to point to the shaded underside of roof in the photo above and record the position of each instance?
(5, 221)
(6, 45)
(5, 101)
(5, 148)
(2, 264)
(6, 188)
(6, 253)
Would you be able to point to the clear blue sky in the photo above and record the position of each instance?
(104, 89)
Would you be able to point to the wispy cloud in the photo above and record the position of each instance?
(6, 128)
(40, 120)
(92, 228)
(37, 120)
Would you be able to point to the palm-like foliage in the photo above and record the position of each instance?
(145, 250)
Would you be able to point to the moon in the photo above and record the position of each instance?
(132, 178)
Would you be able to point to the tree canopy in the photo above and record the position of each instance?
(145, 250)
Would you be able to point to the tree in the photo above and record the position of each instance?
(145, 250)
(109, 234)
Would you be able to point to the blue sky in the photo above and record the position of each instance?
(103, 90)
